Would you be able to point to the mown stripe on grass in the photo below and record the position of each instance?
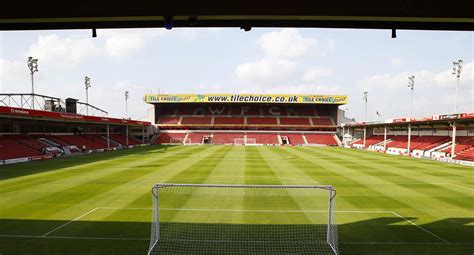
(257, 163)
(374, 197)
(189, 164)
(394, 175)
(421, 166)
(342, 198)
(57, 185)
(138, 194)
(404, 162)
(72, 171)
(79, 192)
(414, 200)
(196, 173)
(36, 169)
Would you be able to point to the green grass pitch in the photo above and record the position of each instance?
(97, 204)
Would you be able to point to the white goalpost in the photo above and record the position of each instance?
(245, 141)
(243, 219)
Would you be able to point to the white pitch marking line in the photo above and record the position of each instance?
(139, 239)
(459, 186)
(422, 228)
(239, 210)
(77, 237)
(71, 221)
(123, 208)
(405, 243)
(21, 184)
(267, 211)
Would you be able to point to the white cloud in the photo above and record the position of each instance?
(446, 78)
(123, 43)
(13, 76)
(434, 93)
(265, 71)
(297, 89)
(63, 51)
(396, 62)
(115, 99)
(282, 48)
(118, 43)
(423, 79)
(315, 73)
(331, 44)
(287, 43)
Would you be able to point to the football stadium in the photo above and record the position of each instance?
(268, 171)
(281, 167)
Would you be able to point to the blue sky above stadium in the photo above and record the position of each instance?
(316, 61)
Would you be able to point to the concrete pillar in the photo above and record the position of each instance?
(343, 138)
(385, 138)
(365, 134)
(108, 138)
(453, 146)
(126, 134)
(409, 139)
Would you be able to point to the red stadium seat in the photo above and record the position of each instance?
(226, 138)
(11, 148)
(168, 120)
(324, 121)
(294, 139)
(264, 138)
(294, 121)
(371, 140)
(323, 139)
(240, 110)
(196, 120)
(81, 141)
(196, 137)
(228, 120)
(167, 137)
(261, 121)
(123, 139)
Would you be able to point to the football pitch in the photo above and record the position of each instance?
(101, 203)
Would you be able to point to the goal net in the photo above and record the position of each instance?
(243, 219)
(245, 141)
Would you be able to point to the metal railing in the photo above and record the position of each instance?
(47, 103)
(90, 110)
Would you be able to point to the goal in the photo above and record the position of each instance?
(245, 141)
(243, 219)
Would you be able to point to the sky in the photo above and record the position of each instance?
(217, 60)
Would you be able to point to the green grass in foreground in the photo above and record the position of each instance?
(401, 205)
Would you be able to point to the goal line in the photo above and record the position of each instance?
(93, 210)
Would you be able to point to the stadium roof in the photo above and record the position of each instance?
(22, 113)
(389, 14)
(443, 120)
(246, 98)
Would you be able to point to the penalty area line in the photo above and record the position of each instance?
(420, 227)
(78, 237)
(71, 221)
(243, 210)
(405, 243)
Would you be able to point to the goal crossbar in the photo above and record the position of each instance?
(162, 185)
(205, 219)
